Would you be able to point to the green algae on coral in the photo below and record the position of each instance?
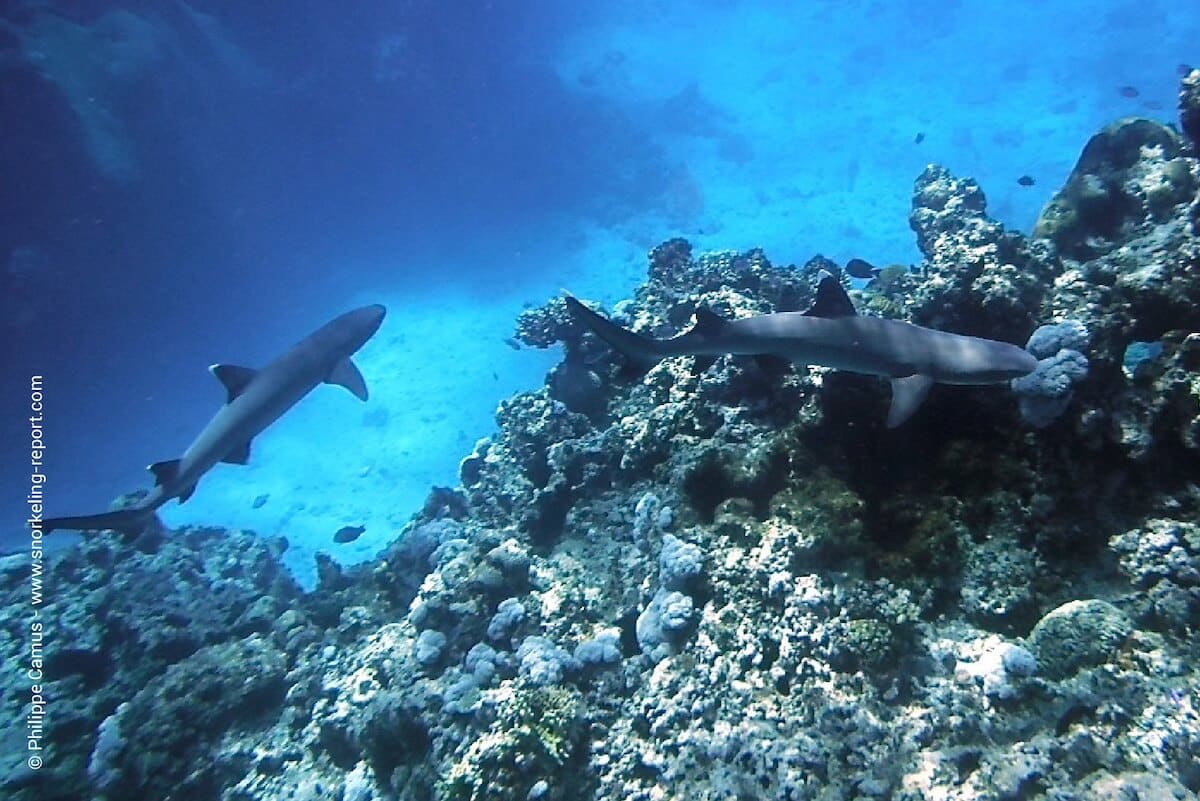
(535, 733)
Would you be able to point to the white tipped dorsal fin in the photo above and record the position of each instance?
(907, 395)
(234, 378)
(831, 300)
(708, 322)
(345, 374)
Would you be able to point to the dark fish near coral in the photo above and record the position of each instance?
(1128, 91)
(858, 268)
(513, 343)
(919, 138)
(1026, 180)
(348, 533)
(1183, 69)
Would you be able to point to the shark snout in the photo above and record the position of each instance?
(1013, 362)
(1025, 363)
(370, 317)
(361, 324)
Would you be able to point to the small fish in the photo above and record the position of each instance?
(1026, 180)
(513, 343)
(1183, 69)
(919, 138)
(260, 501)
(1152, 105)
(857, 268)
(1128, 91)
(348, 533)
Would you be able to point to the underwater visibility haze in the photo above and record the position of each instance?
(773, 400)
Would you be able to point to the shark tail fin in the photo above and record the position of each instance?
(641, 352)
(129, 522)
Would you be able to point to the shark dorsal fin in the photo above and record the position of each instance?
(234, 378)
(164, 472)
(708, 322)
(345, 374)
(832, 300)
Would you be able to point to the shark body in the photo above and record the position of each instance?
(256, 398)
(831, 334)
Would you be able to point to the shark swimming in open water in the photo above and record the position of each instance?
(256, 398)
(831, 334)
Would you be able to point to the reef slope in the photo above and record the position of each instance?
(722, 583)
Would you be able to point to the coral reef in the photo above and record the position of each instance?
(1129, 180)
(1126, 227)
(977, 278)
(721, 580)
(1189, 106)
(1045, 393)
(1162, 558)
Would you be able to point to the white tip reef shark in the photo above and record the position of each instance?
(830, 334)
(256, 398)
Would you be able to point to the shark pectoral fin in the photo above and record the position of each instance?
(164, 472)
(907, 395)
(234, 378)
(345, 374)
(187, 493)
(771, 364)
(238, 455)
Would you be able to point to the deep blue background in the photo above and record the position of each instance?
(255, 187)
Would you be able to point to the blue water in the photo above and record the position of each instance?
(184, 184)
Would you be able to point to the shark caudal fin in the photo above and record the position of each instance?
(130, 522)
(642, 352)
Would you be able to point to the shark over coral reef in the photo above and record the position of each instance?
(721, 583)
